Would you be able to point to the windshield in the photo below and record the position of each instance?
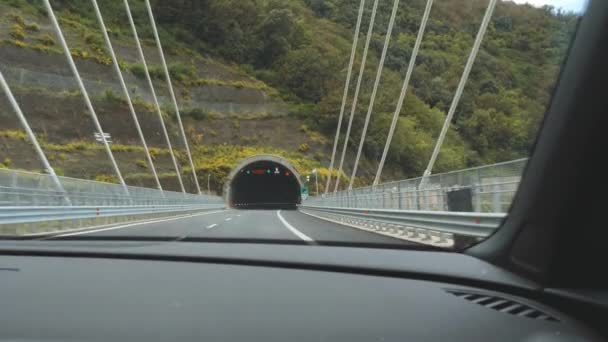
(365, 122)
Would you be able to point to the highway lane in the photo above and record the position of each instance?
(247, 224)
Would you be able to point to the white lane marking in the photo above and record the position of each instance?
(238, 215)
(229, 218)
(292, 229)
(211, 226)
(138, 223)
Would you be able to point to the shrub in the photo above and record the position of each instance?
(181, 72)
(46, 40)
(33, 27)
(197, 114)
(13, 134)
(93, 39)
(138, 70)
(19, 43)
(141, 163)
(303, 148)
(110, 96)
(78, 52)
(17, 19)
(156, 72)
(153, 153)
(7, 162)
(17, 32)
(106, 178)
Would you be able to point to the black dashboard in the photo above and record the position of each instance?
(108, 291)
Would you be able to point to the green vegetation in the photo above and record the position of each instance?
(17, 32)
(198, 114)
(111, 97)
(13, 134)
(141, 163)
(33, 27)
(46, 40)
(6, 163)
(237, 84)
(106, 178)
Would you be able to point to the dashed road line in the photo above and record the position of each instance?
(137, 224)
(211, 226)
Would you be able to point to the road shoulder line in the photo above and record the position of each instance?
(293, 230)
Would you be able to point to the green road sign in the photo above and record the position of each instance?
(305, 190)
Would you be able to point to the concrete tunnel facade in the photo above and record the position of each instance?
(263, 181)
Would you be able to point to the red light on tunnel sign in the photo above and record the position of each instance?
(259, 171)
(287, 173)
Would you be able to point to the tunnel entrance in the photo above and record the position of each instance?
(263, 182)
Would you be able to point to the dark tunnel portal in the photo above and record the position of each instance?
(265, 185)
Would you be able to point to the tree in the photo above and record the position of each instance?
(275, 33)
(305, 72)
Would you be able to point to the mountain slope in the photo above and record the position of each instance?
(269, 74)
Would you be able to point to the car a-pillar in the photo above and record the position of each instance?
(263, 182)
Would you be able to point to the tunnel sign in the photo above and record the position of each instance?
(305, 190)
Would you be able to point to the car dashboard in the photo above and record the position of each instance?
(110, 291)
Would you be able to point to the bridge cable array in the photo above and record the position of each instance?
(126, 93)
(170, 86)
(370, 108)
(154, 97)
(463, 80)
(453, 106)
(357, 88)
(406, 81)
(345, 96)
(85, 95)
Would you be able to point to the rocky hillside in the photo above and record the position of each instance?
(266, 76)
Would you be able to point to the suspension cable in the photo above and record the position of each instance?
(344, 97)
(32, 138)
(370, 108)
(357, 88)
(87, 100)
(458, 94)
(406, 82)
(170, 86)
(126, 92)
(153, 92)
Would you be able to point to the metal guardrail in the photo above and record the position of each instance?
(19, 215)
(457, 223)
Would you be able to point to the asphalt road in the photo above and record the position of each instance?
(247, 224)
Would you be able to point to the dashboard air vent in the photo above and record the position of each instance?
(503, 305)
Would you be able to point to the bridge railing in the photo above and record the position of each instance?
(30, 203)
(488, 188)
(22, 188)
(450, 209)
